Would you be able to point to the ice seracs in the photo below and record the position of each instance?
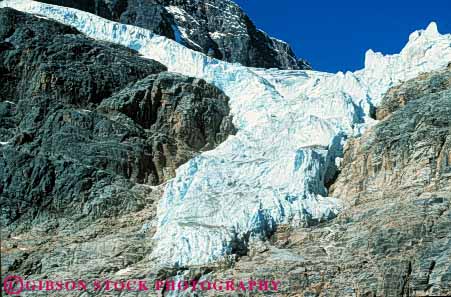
(431, 31)
(291, 129)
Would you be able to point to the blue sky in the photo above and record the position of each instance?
(334, 35)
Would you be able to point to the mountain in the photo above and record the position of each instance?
(218, 28)
(87, 125)
(335, 184)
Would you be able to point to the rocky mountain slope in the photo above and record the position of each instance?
(218, 28)
(86, 128)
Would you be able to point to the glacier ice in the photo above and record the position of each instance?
(291, 128)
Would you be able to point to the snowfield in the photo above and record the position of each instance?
(291, 129)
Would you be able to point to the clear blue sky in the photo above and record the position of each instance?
(334, 35)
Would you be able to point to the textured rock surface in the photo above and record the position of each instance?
(427, 83)
(407, 153)
(264, 103)
(87, 128)
(218, 28)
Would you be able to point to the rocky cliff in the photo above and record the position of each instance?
(87, 128)
(218, 28)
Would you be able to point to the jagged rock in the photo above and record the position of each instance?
(184, 115)
(414, 89)
(87, 129)
(51, 59)
(409, 152)
(218, 28)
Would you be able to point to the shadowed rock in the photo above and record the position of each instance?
(88, 129)
(218, 28)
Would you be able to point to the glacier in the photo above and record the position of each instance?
(292, 126)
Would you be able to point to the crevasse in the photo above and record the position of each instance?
(291, 128)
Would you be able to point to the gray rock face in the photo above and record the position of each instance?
(87, 128)
(218, 28)
(407, 154)
(425, 84)
(401, 171)
(181, 115)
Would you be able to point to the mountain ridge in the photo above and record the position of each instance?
(219, 28)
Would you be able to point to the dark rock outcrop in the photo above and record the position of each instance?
(87, 130)
(218, 28)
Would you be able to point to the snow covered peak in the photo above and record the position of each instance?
(422, 41)
(372, 59)
(430, 32)
(425, 51)
(291, 128)
(432, 29)
(419, 43)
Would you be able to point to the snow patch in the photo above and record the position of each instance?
(185, 37)
(177, 12)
